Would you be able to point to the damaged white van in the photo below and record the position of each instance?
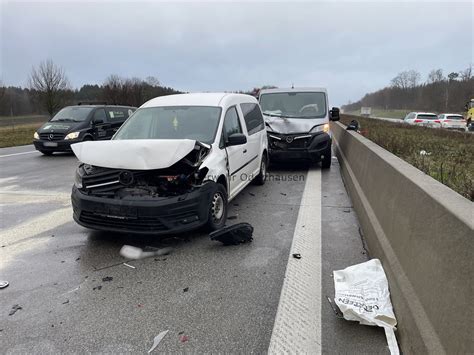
(172, 166)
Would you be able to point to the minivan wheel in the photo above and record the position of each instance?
(326, 161)
(45, 152)
(218, 209)
(262, 174)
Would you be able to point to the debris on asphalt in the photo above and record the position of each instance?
(362, 295)
(131, 252)
(233, 235)
(4, 284)
(107, 278)
(251, 194)
(157, 340)
(79, 258)
(182, 332)
(130, 266)
(232, 217)
(335, 309)
(297, 256)
(186, 289)
(347, 211)
(97, 288)
(66, 302)
(183, 338)
(282, 193)
(14, 309)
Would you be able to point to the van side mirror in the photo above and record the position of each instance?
(334, 114)
(236, 139)
(97, 121)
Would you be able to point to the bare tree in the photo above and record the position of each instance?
(406, 79)
(466, 74)
(50, 82)
(435, 76)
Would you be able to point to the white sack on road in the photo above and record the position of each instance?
(362, 294)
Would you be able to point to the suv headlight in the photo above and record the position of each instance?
(36, 135)
(72, 135)
(321, 128)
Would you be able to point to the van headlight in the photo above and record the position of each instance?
(78, 179)
(36, 135)
(72, 135)
(321, 128)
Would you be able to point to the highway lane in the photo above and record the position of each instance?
(224, 299)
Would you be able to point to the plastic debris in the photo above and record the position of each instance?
(14, 309)
(107, 278)
(186, 289)
(130, 266)
(233, 235)
(297, 255)
(4, 284)
(97, 288)
(183, 338)
(157, 340)
(135, 253)
(362, 294)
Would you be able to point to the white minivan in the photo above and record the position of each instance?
(172, 166)
(297, 121)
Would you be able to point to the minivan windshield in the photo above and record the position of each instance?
(73, 114)
(294, 104)
(427, 117)
(172, 122)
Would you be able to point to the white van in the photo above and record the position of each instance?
(297, 121)
(172, 166)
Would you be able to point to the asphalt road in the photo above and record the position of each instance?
(221, 299)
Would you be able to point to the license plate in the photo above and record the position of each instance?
(50, 144)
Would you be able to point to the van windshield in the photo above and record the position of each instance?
(72, 113)
(172, 122)
(294, 104)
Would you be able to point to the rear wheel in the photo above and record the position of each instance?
(218, 209)
(326, 160)
(262, 175)
(45, 152)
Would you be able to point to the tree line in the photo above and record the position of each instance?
(49, 90)
(407, 91)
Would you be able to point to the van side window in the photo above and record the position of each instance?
(253, 118)
(231, 123)
(117, 114)
(100, 115)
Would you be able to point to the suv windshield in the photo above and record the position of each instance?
(294, 104)
(427, 117)
(72, 113)
(458, 118)
(172, 122)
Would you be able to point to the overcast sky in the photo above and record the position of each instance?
(349, 47)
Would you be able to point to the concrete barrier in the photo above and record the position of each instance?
(422, 231)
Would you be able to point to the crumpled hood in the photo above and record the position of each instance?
(293, 125)
(133, 154)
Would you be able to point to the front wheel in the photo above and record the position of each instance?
(326, 160)
(45, 152)
(218, 209)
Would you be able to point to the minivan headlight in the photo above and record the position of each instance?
(78, 179)
(72, 135)
(321, 128)
(36, 135)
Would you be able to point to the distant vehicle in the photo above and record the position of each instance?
(451, 121)
(83, 122)
(420, 118)
(297, 122)
(173, 166)
(366, 111)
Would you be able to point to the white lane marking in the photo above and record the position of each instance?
(297, 328)
(11, 155)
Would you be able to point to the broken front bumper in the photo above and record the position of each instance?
(164, 215)
(292, 147)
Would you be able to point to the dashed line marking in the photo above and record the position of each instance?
(11, 155)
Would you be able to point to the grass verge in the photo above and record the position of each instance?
(447, 157)
(12, 136)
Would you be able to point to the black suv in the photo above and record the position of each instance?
(79, 123)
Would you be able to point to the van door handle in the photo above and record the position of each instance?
(245, 151)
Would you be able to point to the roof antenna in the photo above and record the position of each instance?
(292, 85)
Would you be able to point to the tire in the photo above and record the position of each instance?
(87, 138)
(217, 218)
(326, 161)
(262, 174)
(45, 152)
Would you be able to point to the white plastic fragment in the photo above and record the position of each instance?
(157, 340)
(362, 295)
(135, 253)
(130, 266)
